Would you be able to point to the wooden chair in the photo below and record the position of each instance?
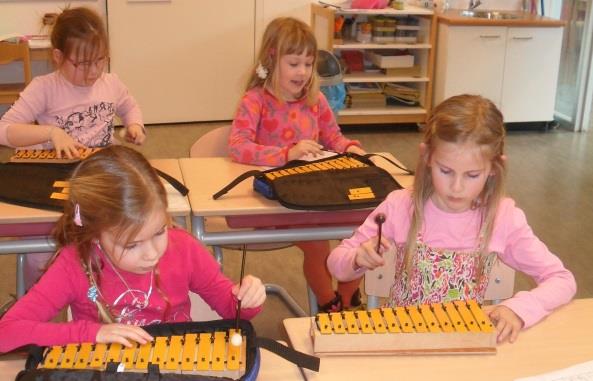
(377, 283)
(10, 52)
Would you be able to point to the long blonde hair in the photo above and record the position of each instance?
(285, 35)
(115, 189)
(460, 119)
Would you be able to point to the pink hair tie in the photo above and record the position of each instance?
(77, 219)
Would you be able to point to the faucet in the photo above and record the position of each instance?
(473, 4)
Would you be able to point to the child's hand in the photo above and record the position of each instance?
(367, 256)
(64, 143)
(135, 134)
(252, 293)
(356, 150)
(303, 148)
(123, 334)
(508, 324)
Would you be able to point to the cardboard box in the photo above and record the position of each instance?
(386, 61)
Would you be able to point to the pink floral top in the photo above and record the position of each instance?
(265, 128)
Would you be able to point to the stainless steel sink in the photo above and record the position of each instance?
(492, 15)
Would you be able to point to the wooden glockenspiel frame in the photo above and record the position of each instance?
(48, 156)
(453, 327)
(206, 353)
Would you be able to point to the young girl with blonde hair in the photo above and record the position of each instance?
(448, 231)
(120, 264)
(283, 116)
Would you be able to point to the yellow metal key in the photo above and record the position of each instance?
(467, 316)
(84, 356)
(323, 323)
(189, 351)
(483, 320)
(431, 320)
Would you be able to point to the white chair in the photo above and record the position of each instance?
(377, 283)
(214, 143)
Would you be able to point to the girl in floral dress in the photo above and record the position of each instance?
(456, 222)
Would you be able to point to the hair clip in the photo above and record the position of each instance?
(77, 219)
(92, 294)
(261, 71)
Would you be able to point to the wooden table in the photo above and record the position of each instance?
(206, 176)
(272, 368)
(563, 339)
(28, 228)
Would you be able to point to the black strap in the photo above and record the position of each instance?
(236, 182)
(406, 170)
(174, 182)
(301, 359)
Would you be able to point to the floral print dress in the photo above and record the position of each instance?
(439, 276)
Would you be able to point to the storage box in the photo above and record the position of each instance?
(387, 60)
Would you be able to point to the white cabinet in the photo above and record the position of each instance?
(183, 60)
(515, 67)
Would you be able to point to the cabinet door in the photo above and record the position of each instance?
(183, 60)
(470, 60)
(531, 74)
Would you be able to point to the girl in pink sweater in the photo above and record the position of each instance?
(456, 223)
(74, 106)
(283, 116)
(120, 264)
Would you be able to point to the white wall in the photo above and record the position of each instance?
(24, 16)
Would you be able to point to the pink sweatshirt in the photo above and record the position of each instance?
(512, 240)
(85, 113)
(265, 128)
(186, 266)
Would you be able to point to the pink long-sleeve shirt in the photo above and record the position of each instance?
(512, 240)
(265, 128)
(86, 113)
(186, 266)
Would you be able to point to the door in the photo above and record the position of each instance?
(531, 74)
(574, 101)
(183, 60)
(470, 60)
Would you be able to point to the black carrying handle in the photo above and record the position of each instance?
(236, 182)
(406, 170)
(174, 182)
(301, 359)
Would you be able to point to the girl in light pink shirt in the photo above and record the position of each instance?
(283, 116)
(74, 106)
(448, 232)
(120, 264)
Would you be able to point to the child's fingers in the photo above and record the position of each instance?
(254, 297)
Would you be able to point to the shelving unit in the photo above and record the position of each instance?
(322, 23)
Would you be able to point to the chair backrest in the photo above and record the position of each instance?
(213, 143)
(9, 53)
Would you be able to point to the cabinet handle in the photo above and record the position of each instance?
(489, 36)
(523, 38)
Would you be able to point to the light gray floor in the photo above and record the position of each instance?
(550, 177)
